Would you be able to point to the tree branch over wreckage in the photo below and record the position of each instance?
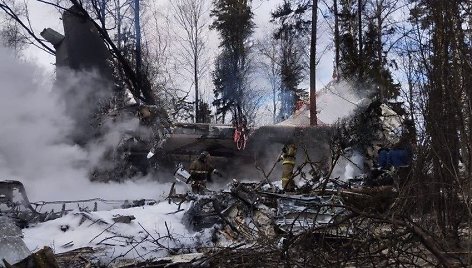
(137, 88)
(8, 9)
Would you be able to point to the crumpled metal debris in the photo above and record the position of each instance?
(245, 213)
(14, 203)
(181, 260)
(297, 212)
(12, 247)
(123, 218)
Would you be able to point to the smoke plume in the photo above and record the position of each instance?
(34, 144)
(339, 100)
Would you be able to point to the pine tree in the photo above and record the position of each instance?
(348, 43)
(364, 31)
(233, 19)
(294, 18)
(294, 24)
(375, 70)
(204, 112)
(291, 73)
(445, 113)
(225, 88)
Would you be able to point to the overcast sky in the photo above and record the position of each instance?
(43, 16)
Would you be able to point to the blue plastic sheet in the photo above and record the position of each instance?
(393, 157)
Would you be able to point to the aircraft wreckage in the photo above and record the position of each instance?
(245, 218)
(169, 143)
(197, 228)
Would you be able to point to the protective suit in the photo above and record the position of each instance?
(288, 164)
(200, 173)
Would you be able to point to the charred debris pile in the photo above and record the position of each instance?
(325, 221)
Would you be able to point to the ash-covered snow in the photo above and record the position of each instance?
(135, 240)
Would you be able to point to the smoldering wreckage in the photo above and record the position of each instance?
(292, 206)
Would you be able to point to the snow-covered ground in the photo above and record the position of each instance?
(154, 230)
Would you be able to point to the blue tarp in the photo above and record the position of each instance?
(393, 157)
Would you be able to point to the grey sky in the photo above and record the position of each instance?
(43, 16)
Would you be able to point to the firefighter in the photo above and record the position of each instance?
(200, 172)
(288, 164)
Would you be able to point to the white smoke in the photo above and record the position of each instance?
(349, 165)
(335, 101)
(339, 100)
(33, 141)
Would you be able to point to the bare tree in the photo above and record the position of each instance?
(10, 31)
(269, 64)
(16, 30)
(157, 41)
(119, 13)
(190, 16)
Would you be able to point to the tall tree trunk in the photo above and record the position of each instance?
(336, 33)
(274, 103)
(442, 116)
(137, 27)
(379, 50)
(359, 17)
(314, 18)
(195, 73)
(119, 21)
(103, 5)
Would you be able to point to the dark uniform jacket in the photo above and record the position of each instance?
(200, 170)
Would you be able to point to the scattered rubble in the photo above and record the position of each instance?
(14, 203)
(244, 213)
(123, 219)
(43, 258)
(12, 247)
(325, 220)
(77, 258)
(253, 223)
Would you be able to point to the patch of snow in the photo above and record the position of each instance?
(155, 230)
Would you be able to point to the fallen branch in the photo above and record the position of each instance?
(102, 232)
